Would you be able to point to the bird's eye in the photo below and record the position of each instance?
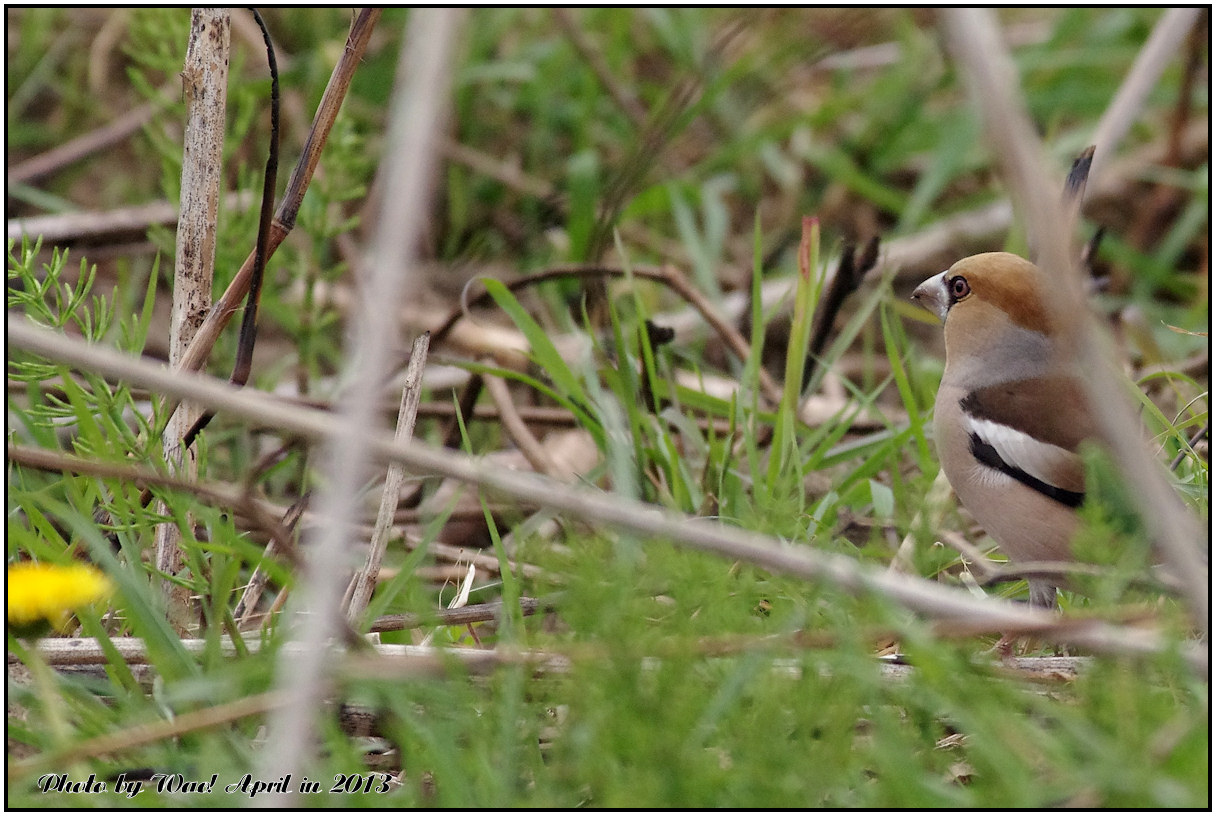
(959, 288)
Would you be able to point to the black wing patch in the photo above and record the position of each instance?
(988, 455)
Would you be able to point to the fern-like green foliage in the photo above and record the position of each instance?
(46, 295)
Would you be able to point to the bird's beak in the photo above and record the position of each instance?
(932, 295)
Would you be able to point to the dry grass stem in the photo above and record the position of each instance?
(364, 581)
(918, 595)
(122, 224)
(280, 544)
(988, 69)
(285, 216)
(108, 135)
(473, 613)
(205, 87)
(515, 427)
(417, 112)
(1162, 48)
(136, 736)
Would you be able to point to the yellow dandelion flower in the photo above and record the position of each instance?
(48, 592)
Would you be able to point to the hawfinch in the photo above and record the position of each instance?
(1010, 412)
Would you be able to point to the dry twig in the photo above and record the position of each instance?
(989, 71)
(918, 595)
(360, 591)
(122, 224)
(416, 120)
(83, 146)
(205, 86)
(285, 216)
(517, 429)
(218, 495)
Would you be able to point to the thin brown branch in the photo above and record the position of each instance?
(474, 613)
(285, 217)
(545, 415)
(726, 330)
(215, 494)
(83, 146)
(247, 338)
(482, 298)
(147, 733)
(195, 356)
(517, 429)
(532, 414)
